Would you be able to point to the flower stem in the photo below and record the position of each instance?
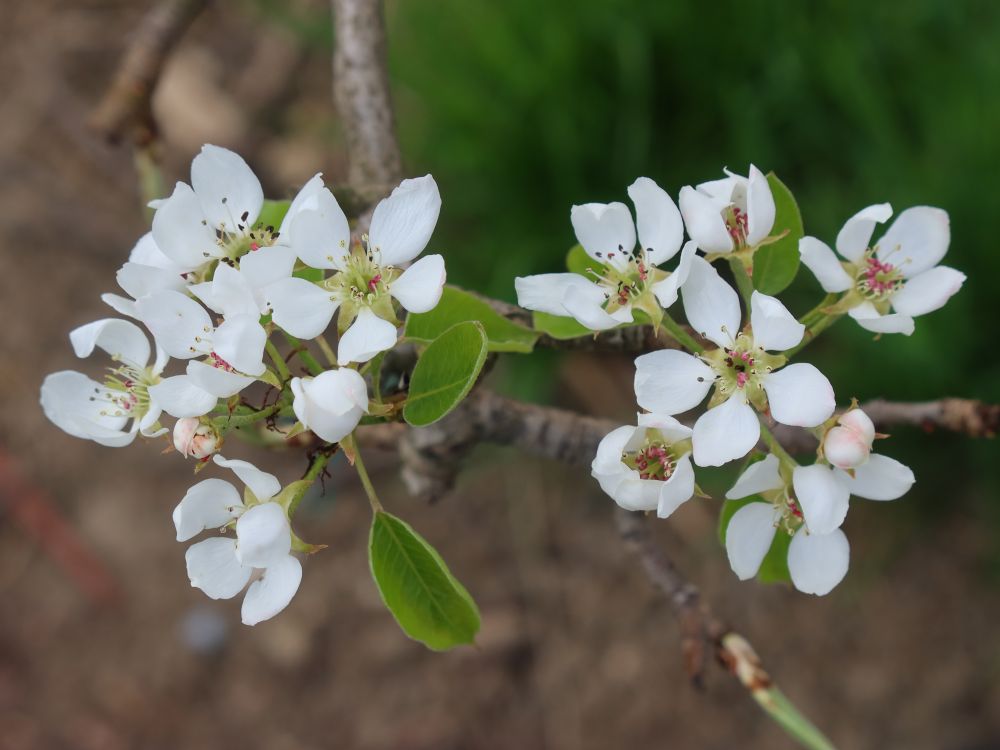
(743, 281)
(316, 468)
(228, 422)
(680, 335)
(776, 448)
(307, 358)
(279, 361)
(324, 346)
(817, 327)
(817, 312)
(351, 445)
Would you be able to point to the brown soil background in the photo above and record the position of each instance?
(576, 650)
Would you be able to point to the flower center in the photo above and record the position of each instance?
(739, 366)
(654, 460)
(877, 279)
(243, 239)
(363, 279)
(125, 391)
(737, 224)
(622, 285)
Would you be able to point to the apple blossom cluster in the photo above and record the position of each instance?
(744, 362)
(212, 283)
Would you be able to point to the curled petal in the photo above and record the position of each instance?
(869, 318)
(273, 591)
(819, 258)
(666, 291)
(748, 538)
(774, 328)
(760, 207)
(263, 535)
(264, 486)
(606, 231)
(658, 221)
(215, 380)
(78, 406)
(320, 236)
(584, 301)
(712, 306)
(817, 563)
(123, 340)
(544, 291)
(676, 490)
(856, 234)
(703, 219)
(210, 504)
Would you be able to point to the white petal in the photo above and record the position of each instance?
(869, 318)
(178, 323)
(917, 240)
(881, 478)
(748, 538)
(263, 535)
(759, 477)
(822, 497)
(306, 198)
(220, 383)
(146, 252)
(180, 231)
(231, 293)
(635, 494)
(149, 423)
(857, 420)
(774, 328)
(584, 301)
(210, 504)
(273, 591)
(670, 381)
(403, 223)
(331, 404)
(180, 397)
(121, 305)
(264, 486)
(367, 336)
(226, 188)
(658, 222)
(760, 207)
(712, 306)
(856, 235)
(817, 563)
(678, 489)
(300, 307)
(605, 230)
(419, 288)
(320, 236)
(240, 342)
(819, 258)
(726, 432)
(666, 291)
(544, 291)
(608, 460)
(139, 280)
(267, 265)
(212, 567)
(672, 430)
(123, 340)
(74, 403)
(799, 395)
(927, 291)
(703, 219)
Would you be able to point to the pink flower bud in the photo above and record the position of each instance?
(848, 445)
(194, 438)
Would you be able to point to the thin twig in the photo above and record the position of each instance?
(125, 109)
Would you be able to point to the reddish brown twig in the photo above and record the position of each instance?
(125, 110)
(35, 513)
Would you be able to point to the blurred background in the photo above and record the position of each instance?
(519, 109)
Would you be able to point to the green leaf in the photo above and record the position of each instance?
(559, 327)
(429, 604)
(445, 372)
(775, 265)
(309, 274)
(457, 306)
(272, 213)
(577, 261)
(774, 568)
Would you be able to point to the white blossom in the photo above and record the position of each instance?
(727, 215)
(627, 276)
(647, 467)
(367, 277)
(332, 403)
(889, 283)
(742, 370)
(222, 566)
(132, 395)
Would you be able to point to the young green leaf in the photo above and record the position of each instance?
(559, 327)
(457, 306)
(775, 265)
(429, 604)
(273, 212)
(445, 372)
(577, 261)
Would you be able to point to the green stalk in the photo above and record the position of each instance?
(307, 358)
(324, 346)
(776, 448)
(743, 281)
(679, 335)
(319, 462)
(279, 361)
(350, 445)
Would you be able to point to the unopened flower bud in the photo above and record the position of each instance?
(848, 445)
(195, 438)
